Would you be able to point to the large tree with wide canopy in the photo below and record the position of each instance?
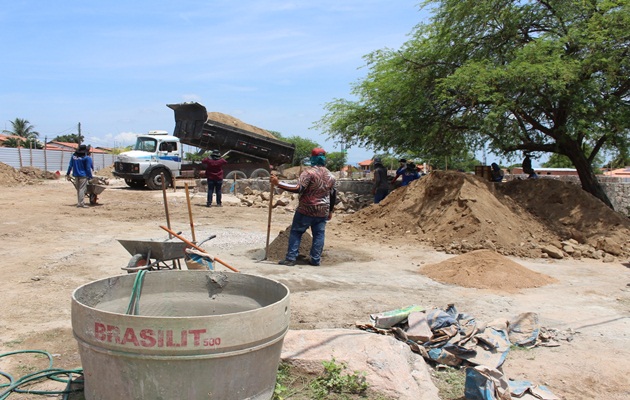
(542, 76)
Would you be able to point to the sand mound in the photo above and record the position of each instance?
(485, 269)
(9, 176)
(278, 248)
(568, 210)
(453, 210)
(237, 123)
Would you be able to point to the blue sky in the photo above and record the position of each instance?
(114, 65)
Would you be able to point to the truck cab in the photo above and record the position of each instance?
(154, 154)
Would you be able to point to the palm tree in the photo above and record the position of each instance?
(23, 129)
(13, 142)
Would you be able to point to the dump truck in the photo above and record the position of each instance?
(156, 154)
(194, 126)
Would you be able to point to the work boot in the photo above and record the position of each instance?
(288, 263)
(313, 263)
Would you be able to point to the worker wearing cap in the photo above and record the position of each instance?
(402, 165)
(214, 176)
(317, 195)
(81, 168)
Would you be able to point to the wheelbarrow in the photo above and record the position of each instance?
(153, 255)
(93, 190)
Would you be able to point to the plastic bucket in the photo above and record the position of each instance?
(198, 335)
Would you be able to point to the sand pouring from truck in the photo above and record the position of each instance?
(251, 152)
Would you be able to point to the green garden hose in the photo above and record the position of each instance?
(49, 373)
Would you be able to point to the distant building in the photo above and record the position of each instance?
(366, 165)
(67, 146)
(620, 172)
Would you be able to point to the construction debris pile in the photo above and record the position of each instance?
(458, 213)
(457, 339)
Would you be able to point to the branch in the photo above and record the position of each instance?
(598, 145)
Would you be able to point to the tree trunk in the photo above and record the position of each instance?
(587, 176)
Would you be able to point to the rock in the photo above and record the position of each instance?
(608, 245)
(552, 251)
(281, 202)
(608, 258)
(391, 368)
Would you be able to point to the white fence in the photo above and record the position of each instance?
(48, 160)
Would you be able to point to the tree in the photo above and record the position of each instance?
(557, 161)
(22, 128)
(13, 142)
(335, 160)
(303, 148)
(546, 76)
(71, 138)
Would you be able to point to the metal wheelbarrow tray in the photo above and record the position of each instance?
(152, 254)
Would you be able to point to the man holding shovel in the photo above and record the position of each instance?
(317, 196)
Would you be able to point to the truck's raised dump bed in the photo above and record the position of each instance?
(194, 127)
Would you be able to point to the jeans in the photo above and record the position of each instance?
(380, 194)
(300, 224)
(214, 186)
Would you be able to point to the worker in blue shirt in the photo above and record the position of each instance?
(401, 169)
(81, 168)
(410, 174)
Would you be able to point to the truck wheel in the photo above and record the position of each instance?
(155, 179)
(235, 174)
(133, 183)
(260, 173)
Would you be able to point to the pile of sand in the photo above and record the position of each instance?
(278, 248)
(447, 209)
(237, 123)
(9, 176)
(485, 269)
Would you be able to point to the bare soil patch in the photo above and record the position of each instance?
(50, 248)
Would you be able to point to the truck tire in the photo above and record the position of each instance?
(260, 173)
(155, 179)
(235, 175)
(133, 183)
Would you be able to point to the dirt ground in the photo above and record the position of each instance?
(371, 264)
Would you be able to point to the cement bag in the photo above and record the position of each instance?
(196, 259)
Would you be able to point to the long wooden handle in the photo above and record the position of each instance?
(168, 217)
(269, 219)
(194, 246)
(190, 217)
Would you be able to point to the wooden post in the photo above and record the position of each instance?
(45, 158)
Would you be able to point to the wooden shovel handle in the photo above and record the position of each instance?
(194, 246)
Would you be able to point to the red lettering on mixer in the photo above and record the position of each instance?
(159, 338)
